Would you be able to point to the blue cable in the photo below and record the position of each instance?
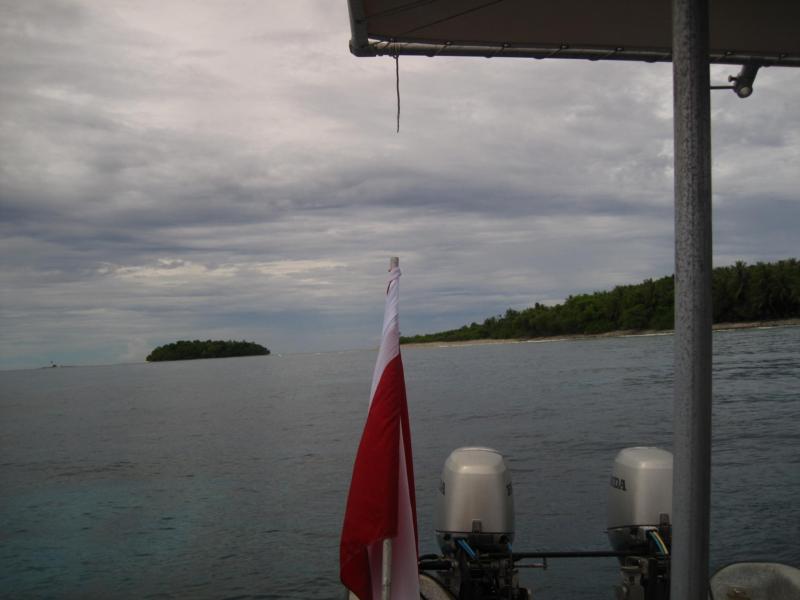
(465, 547)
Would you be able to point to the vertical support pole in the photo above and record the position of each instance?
(693, 316)
(386, 570)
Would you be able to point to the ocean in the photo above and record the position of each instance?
(227, 478)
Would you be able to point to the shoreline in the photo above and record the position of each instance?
(617, 333)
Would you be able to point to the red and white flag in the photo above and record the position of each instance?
(381, 503)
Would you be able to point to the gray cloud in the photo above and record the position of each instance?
(173, 171)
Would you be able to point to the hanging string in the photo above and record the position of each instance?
(397, 83)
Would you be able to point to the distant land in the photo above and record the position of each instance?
(741, 293)
(186, 350)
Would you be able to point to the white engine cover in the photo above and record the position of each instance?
(640, 488)
(475, 496)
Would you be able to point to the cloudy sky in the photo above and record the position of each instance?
(227, 169)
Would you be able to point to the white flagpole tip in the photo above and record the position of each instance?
(394, 262)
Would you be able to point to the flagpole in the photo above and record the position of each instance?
(386, 565)
(386, 570)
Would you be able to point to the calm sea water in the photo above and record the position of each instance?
(227, 478)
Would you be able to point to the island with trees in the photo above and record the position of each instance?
(186, 350)
(741, 293)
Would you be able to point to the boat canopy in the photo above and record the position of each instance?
(740, 31)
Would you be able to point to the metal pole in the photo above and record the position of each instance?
(386, 570)
(693, 256)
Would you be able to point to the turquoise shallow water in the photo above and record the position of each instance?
(227, 478)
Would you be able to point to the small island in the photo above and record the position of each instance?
(186, 350)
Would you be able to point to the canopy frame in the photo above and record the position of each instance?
(739, 28)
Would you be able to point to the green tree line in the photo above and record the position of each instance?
(760, 292)
(186, 350)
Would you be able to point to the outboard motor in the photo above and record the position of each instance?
(475, 529)
(639, 509)
(476, 501)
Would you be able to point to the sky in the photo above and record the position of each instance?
(228, 170)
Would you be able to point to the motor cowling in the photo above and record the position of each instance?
(639, 496)
(476, 501)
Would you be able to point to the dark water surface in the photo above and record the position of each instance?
(227, 478)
